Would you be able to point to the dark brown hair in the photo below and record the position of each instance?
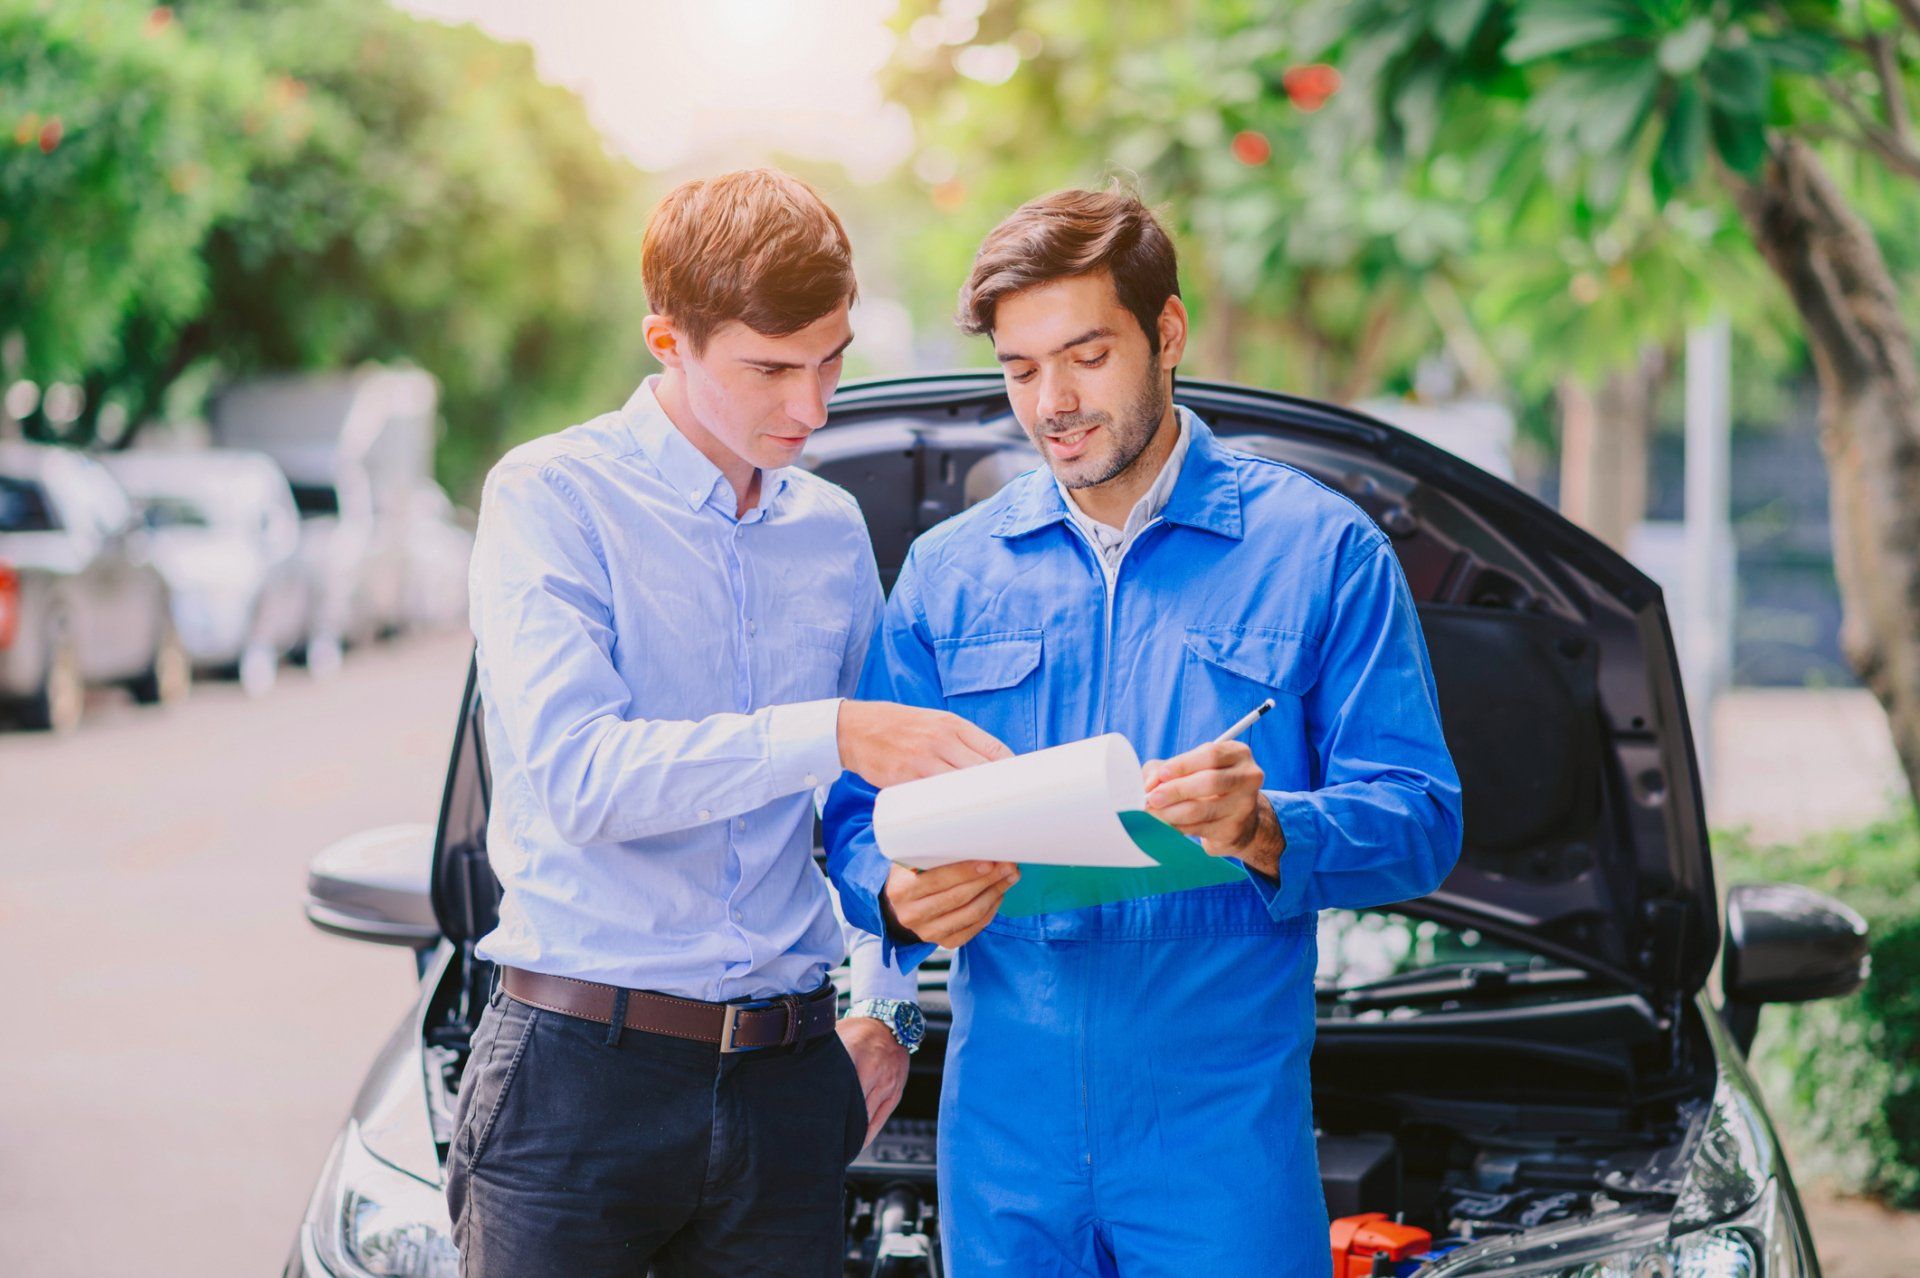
(758, 246)
(1073, 233)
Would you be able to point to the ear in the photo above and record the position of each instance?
(1173, 333)
(662, 340)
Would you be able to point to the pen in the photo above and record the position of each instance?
(1253, 716)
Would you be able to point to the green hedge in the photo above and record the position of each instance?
(1842, 1077)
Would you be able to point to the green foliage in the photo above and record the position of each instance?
(1443, 196)
(1842, 1077)
(113, 166)
(253, 187)
(1303, 259)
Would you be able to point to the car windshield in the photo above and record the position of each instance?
(23, 507)
(316, 499)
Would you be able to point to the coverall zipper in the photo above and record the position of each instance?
(1109, 587)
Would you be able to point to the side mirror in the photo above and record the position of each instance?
(374, 886)
(1787, 944)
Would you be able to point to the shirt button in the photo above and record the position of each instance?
(743, 823)
(812, 779)
(737, 916)
(753, 627)
(706, 815)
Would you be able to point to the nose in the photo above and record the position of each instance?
(1057, 396)
(808, 406)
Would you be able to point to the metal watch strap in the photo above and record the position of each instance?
(886, 1011)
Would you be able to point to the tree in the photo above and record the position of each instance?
(114, 166)
(1303, 267)
(247, 187)
(1756, 102)
(1328, 246)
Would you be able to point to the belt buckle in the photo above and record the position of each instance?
(789, 1038)
(731, 1019)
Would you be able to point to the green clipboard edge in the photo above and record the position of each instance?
(1183, 864)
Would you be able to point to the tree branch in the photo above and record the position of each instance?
(1898, 153)
(1457, 331)
(1910, 10)
(1881, 50)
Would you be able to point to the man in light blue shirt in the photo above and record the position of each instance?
(670, 617)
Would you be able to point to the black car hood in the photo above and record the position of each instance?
(1559, 685)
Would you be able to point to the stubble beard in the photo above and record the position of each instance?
(1139, 421)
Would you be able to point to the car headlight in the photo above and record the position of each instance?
(373, 1221)
(1731, 1219)
(1616, 1245)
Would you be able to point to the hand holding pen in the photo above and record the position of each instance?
(1213, 793)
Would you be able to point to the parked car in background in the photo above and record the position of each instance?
(226, 536)
(1523, 1073)
(439, 546)
(356, 447)
(81, 601)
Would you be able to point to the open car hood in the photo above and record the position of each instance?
(1559, 685)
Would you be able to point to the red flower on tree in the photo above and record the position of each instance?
(1310, 86)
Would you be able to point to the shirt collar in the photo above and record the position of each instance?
(1205, 495)
(685, 467)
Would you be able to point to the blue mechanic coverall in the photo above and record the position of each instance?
(1127, 1086)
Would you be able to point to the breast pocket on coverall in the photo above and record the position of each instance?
(992, 680)
(1230, 669)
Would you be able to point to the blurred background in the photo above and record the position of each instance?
(278, 281)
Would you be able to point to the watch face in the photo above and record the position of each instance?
(909, 1023)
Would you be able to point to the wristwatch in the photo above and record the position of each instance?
(902, 1017)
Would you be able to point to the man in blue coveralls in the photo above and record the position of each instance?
(1127, 1085)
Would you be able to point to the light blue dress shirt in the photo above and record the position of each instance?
(661, 683)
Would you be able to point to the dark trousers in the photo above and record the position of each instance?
(575, 1156)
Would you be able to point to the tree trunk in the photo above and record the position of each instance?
(1603, 448)
(1869, 420)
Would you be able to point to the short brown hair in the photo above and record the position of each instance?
(758, 246)
(1073, 233)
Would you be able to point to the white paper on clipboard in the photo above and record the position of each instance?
(1058, 806)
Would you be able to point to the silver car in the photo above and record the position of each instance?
(85, 604)
(226, 537)
(1525, 1073)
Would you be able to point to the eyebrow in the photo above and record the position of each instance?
(786, 364)
(1092, 334)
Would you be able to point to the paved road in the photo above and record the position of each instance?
(180, 1045)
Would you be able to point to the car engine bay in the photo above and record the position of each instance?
(1419, 1184)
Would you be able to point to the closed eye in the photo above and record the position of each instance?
(1095, 362)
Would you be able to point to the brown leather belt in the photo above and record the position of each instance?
(737, 1027)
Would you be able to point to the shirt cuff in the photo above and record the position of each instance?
(804, 745)
(1299, 826)
(873, 977)
(867, 874)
